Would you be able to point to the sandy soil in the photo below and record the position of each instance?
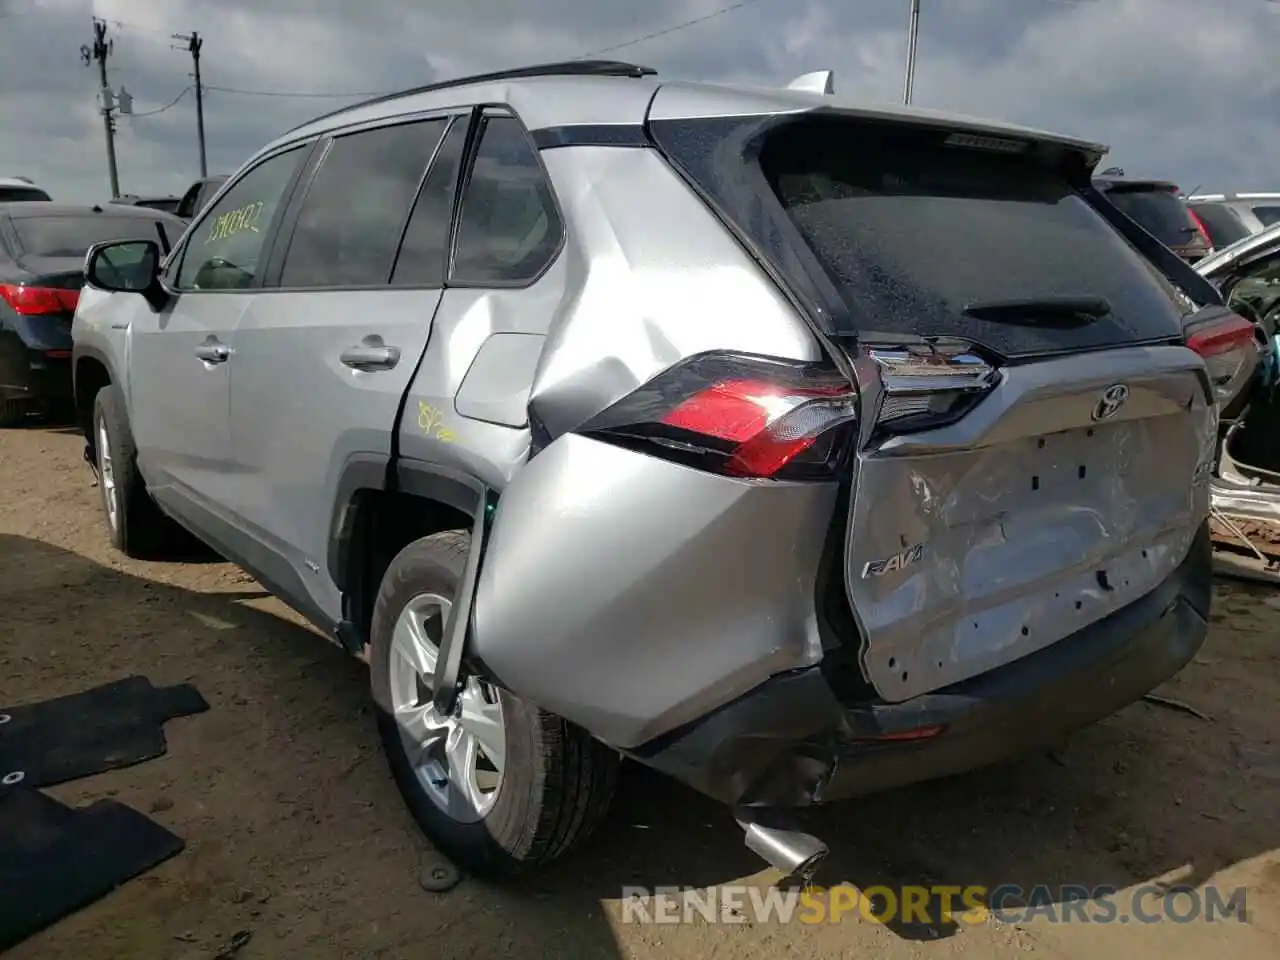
(296, 835)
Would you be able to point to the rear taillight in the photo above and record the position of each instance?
(1200, 228)
(927, 386)
(1227, 344)
(740, 415)
(32, 301)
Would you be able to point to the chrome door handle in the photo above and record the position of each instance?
(213, 352)
(371, 354)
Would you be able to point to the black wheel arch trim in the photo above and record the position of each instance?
(79, 353)
(362, 471)
(378, 472)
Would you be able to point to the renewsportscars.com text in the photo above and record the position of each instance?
(937, 904)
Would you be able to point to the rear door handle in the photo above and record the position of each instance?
(213, 352)
(371, 354)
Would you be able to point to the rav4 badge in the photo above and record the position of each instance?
(899, 561)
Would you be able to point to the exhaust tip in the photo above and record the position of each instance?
(793, 852)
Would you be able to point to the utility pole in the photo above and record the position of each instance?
(193, 44)
(913, 32)
(98, 53)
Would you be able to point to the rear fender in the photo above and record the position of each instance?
(631, 595)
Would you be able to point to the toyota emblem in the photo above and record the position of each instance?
(1111, 401)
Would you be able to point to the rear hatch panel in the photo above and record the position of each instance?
(981, 538)
(1028, 519)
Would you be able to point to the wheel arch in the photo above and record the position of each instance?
(381, 506)
(90, 372)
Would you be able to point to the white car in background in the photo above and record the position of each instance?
(19, 189)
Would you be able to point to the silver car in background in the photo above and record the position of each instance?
(1246, 489)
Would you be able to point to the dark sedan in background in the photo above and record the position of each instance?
(42, 251)
(1157, 207)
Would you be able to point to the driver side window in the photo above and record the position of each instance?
(225, 252)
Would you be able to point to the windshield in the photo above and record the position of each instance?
(71, 236)
(915, 231)
(1158, 211)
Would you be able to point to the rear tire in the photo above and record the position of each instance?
(135, 524)
(12, 412)
(554, 781)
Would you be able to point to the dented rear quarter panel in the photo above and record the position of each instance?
(608, 568)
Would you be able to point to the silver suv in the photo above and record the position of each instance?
(795, 448)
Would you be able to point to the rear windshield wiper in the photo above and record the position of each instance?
(1040, 311)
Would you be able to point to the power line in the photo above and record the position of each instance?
(298, 94)
(168, 106)
(714, 14)
(155, 36)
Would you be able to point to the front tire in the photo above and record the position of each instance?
(502, 786)
(136, 526)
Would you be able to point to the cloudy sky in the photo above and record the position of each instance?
(1180, 88)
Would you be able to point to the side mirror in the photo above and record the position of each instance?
(127, 266)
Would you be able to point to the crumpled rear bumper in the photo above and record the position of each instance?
(791, 742)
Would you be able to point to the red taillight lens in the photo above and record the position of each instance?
(745, 416)
(1227, 344)
(1199, 225)
(37, 301)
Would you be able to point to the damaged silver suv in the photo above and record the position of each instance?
(794, 448)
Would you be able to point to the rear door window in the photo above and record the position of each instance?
(913, 230)
(423, 257)
(350, 222)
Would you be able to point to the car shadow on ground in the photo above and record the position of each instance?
(296, 830)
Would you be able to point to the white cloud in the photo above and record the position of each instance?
(1179, 88)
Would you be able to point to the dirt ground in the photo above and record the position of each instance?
(295, 833)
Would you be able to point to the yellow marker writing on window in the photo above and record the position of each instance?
(236, 221)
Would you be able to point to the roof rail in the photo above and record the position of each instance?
(565, 68)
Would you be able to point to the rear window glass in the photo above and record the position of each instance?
(1267, 215)
(72, 236)
(1159, 212)
(21, 194)
(167, 204)
(1223, 225)
(912, 231)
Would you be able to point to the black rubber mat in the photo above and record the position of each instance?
(56, 859)
(108, 727)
